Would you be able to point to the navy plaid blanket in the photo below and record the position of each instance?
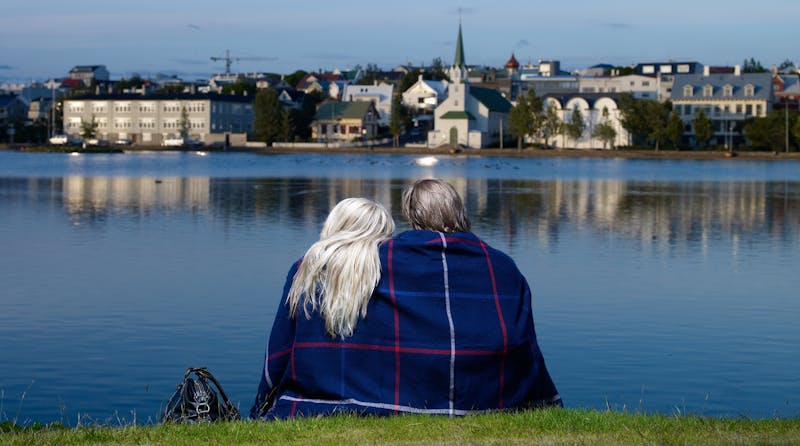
(449, 330)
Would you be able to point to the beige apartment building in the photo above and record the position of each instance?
(150, 119)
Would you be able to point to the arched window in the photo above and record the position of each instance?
(749, 90)
(708, 91)
(688, 90)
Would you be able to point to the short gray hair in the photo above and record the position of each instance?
(435, 205)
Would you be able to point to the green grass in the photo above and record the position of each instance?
(544, 427)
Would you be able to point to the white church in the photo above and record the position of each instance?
(470, 117)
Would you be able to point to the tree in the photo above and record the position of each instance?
(633, 117)
(552, 124)
(267, 116)
(796, 130)
(753, 66)
(526, 118)
(674, 130)
(437, 72)
(294, 78)
(240, 88)
(370, 75)
(287, 131)
(184, 124)
(769, 132)
(604, 131)
(656, 116)
(89, 128)
(702, 128)
(575, 126)
(786, 66)
(398, 123)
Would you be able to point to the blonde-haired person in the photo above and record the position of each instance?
(338, 273)
(326, 293)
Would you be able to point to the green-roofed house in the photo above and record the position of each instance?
(345, 121)
(472, 117)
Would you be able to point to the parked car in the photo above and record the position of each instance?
(180, 142)
(122, 142)
(96, 142)
(60, 140)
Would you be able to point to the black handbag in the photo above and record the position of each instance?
(195, 401)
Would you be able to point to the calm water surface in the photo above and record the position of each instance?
(659, 286)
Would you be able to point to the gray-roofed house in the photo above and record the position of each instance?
(345, 121)
(728, 100)
(472, 117)
(89, 73)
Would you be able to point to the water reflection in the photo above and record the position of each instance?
(682, 287)
(673, 213)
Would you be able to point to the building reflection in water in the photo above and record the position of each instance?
(652, 213)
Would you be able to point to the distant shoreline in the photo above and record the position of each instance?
(496, 152)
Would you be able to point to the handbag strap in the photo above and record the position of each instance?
(203, 372)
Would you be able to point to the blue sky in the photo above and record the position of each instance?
(40, 39)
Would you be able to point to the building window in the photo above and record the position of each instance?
(749, 90)
(727, 90)
(708, 91)
(645, 83)
(688, 91)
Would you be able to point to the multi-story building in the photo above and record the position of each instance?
(727, 99)
(641, 87)
(89, 73)
(381, 94)
(149, 119)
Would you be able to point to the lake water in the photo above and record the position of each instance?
(659, 286)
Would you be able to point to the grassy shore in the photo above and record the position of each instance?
(544, 427)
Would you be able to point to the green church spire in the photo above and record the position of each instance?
(459, 60)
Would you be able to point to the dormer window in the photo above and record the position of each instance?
(727, 90)
(749, 90)
(708, 91)
(688, 90)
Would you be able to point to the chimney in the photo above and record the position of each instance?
(737, 70)
(706, 71)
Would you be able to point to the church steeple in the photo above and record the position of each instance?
(459, 60)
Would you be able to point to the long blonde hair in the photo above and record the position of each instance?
(339, 272)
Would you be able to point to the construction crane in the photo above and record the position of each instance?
(230, 60)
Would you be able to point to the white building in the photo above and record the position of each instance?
(425, 95)
(148, 120)
(641, 87)
(472, 117)
(595, 109)
(727, 99)
(379, 94)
